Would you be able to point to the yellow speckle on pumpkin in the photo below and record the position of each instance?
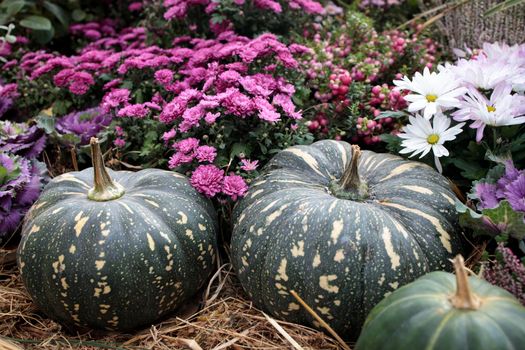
(387, 240)
(281, 272)
(34, 229)
(183, 218)
(324, 283)
(339, 255)
(155, 204)
(317, 260)
(80, 222)
(100, 264)
(337, 228)
(151, 243)
(297, 250)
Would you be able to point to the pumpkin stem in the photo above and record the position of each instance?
(464, 297)
(350, 179)
(104, 189)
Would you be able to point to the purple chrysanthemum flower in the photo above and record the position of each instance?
(19, 189)
(85, 124)
(511, 174)
(487, 195)
(21, 139)
(515, 193)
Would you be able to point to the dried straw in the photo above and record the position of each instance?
(226, 320)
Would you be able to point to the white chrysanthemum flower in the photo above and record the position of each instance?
(420, 137)
(503, 108)
(434, 92)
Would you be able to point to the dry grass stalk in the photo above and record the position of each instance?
(226, 321)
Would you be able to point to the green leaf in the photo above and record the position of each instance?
(472, 220)
(46, 122)
(36, 23)
(3, 174)
(238, 148)
(503, 6)
(43, 36)
(78, 15)
(58, 12)
(14, 7)
(513, 221)
(392, 114)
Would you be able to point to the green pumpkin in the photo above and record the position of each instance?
(120, 254)
(342, 231)
(440, 311)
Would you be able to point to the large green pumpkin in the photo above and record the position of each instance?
(443, 312)
(342, 231)
(121, 254)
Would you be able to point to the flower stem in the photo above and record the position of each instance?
(350, 180)
(105, 189)
(464, 297)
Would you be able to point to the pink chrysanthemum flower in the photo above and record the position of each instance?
(207, 179)
(234, 186)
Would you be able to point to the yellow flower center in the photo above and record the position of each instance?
(431, 98)
(433, 139)
(491, 108)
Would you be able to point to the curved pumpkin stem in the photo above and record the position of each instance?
(464, 297)
(105, 189)
(350, 179)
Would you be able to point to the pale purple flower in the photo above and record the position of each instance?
(234, 186)
(486, 194)
(249, 165)
(207, 179)
(515, 193)
(502, 109)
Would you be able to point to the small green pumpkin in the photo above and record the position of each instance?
(342, 228)
(120, 254)
(440, 311)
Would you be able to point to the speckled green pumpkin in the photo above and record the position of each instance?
(423, 315)
(341, 250)
(117, 263)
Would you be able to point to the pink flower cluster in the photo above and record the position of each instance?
(191, 86)
(210, 180)
(188, 150)
(344, 64)
(213, 80)
(507, 272)
(178, 9)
